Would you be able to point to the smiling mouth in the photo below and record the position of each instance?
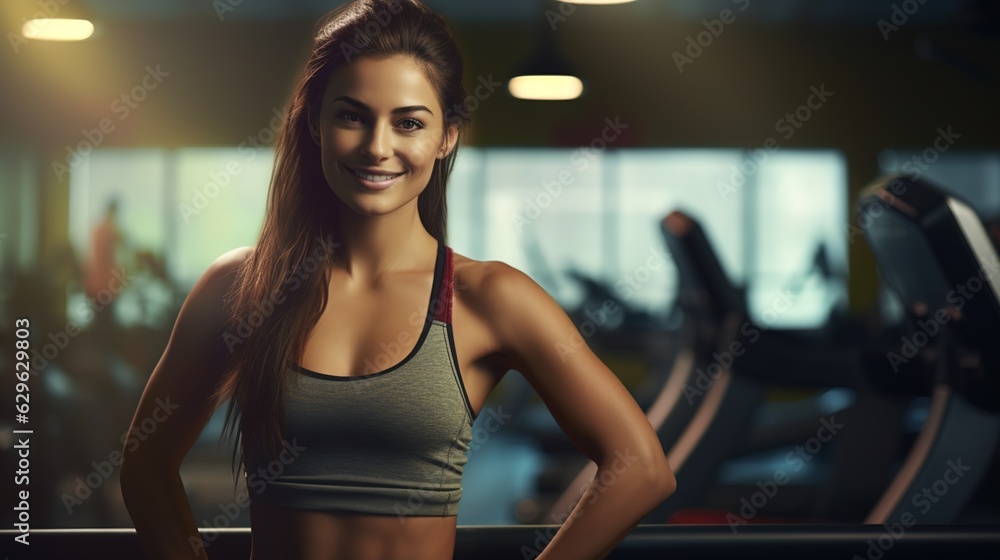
(374, 178)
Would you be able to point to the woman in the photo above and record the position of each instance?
(354, 392)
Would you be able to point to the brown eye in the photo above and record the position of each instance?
(417, 124)
(345, 115)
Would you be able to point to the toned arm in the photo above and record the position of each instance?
(589, 403)
(173, 410)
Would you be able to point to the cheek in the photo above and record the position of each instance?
(423, 151)
(334, 149)
(338, 143)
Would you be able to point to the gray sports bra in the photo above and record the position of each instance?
(393, 442)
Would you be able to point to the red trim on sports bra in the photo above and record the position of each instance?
(445, 292)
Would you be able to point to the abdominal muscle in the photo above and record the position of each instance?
(280, 533)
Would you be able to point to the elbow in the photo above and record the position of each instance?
(662, 478)
(667, 483)
(652, 478)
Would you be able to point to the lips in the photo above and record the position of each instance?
(374, 180)
(376, 176)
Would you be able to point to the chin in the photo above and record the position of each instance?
(373, 203)
(367, 205)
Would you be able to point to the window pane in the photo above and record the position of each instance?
(800, 255)
(136, 178)
(137, 181)
(219, 205)
(465, 204)
(654, 183)
(543, 216)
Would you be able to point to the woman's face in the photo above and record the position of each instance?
(381, 117)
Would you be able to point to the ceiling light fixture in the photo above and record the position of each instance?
(57, 29)
(546, 76)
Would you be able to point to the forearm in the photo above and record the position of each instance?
(614, 503)
(160, 511)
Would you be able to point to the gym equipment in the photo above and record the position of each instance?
(725, 363)
(935, 253)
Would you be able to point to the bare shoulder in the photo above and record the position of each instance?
(217, 280)
(230, 261)
(505, 298)
(203, 313)
(485, 284)
(538, 339)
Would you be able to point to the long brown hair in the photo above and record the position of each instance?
(280, 290)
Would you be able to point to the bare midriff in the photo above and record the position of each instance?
(281, 533)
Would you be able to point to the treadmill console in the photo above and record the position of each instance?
(935, 253)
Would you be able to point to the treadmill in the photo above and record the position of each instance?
(934, 252)
(928, 244)
(714, 421)
(705, 410)
(705, 299)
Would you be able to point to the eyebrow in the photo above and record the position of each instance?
(396, 111)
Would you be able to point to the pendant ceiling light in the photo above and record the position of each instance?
(62, 21)
(546, 76)
(57, 29)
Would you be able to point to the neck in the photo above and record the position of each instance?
(375, 245)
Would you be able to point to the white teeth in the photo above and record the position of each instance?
(374, 178)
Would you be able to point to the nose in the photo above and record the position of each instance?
(378, 144)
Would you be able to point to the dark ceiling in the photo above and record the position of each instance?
(828, 12)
